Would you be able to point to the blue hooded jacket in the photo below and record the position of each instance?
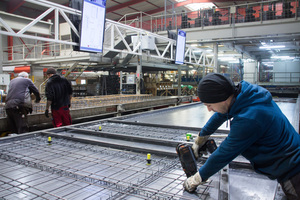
(260, 132)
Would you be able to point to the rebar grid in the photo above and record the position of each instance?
(116, 174)
(138, 130)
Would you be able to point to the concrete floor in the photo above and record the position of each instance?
(107, 159)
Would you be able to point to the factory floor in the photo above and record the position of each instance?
(124, 157)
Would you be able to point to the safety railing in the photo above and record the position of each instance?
(244, 13)
(269, 77)
(41, 50)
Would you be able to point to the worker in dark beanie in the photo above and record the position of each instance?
(59, 93)
(259, 131)
(215, 88)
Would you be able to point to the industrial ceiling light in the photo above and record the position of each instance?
(272, 47)
(227, 59)
(235, 61)
(269, 64)
(199, 6)
(248, 60)
(283, 57)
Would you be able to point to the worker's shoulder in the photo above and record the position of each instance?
(21, 80)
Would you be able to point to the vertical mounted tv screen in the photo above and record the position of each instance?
(92, 25)
(180, 47)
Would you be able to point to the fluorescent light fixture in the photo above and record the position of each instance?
(268, 63)
(248, 60)
(227, 59)
(198, 6)
(283, 57)
(272, 47)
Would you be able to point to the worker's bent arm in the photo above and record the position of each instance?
(48, 104)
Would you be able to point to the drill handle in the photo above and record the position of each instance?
(210, 146)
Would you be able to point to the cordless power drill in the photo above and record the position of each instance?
(187, 156)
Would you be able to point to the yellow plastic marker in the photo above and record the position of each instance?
(100, 128)
(49, 140)
(187, 138)
(189, 134)
(148, 159)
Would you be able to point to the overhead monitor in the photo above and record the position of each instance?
(92, 25)
(180, 47)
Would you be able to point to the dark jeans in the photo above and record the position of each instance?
(17, 119)
(291, 187)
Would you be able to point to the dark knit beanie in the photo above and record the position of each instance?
(51, 70)
(215, 88)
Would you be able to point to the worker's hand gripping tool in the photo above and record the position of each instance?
(187, 156)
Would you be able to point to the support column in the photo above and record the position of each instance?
(186, 75)
(121, 82)
(204, 68)
(216, 64)
(138, 75)
(257, 72)
(165, 16)
(10, 43)
(139, 68)
(1, 55)
(179, 80)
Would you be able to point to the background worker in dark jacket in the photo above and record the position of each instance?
(59, 93)
(259, 131)
(18, 102)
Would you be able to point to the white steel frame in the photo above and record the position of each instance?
(113, 30)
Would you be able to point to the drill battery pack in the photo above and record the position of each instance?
(187, 159)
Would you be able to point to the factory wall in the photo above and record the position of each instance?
(287, 71)
(250, 71)
(4, 48)
(37, 73)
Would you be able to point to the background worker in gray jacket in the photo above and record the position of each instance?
(18, 102)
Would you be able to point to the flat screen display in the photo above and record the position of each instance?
(180, 47)
(92, 25)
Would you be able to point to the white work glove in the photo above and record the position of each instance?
(199, 142)
(191, 183)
